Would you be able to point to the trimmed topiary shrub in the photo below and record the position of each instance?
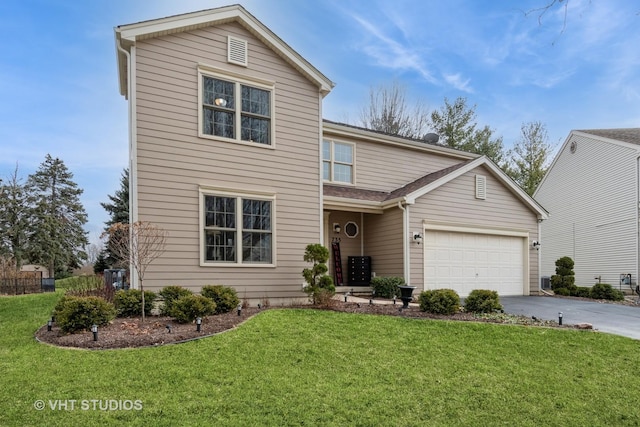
(129, 303)
(482, 301)
(226, 298)
(170, 294)
(565, 276)
(582, 292)
(387, 287)
(606, 291)
(80, 313)
(318, 282)
(187, 308)
(439, 301)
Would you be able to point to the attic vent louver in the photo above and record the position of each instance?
(237, 51)
(481, 187)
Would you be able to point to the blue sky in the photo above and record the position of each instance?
(59, 91)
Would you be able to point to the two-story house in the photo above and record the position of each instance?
(230, 155)
(593, 191)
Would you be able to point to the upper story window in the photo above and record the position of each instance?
(337, 161)
(236, 110)
(238, 229)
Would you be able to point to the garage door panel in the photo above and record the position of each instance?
(467, 261)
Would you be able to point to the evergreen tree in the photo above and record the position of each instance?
(118, 210)
(57, 238)
(529, 156)
(101, 263)
(14, 219)
(457, 127)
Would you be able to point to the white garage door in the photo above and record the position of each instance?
(464, 262)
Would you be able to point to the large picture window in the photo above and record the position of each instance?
(337, 161)
(235, 110)
(237, 230)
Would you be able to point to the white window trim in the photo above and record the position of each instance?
(216, 73)
(332, 161)
(254, 195)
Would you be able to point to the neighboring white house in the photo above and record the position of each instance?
(592, 193)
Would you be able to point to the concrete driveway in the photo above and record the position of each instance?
(611, 318)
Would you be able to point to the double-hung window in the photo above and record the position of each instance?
(337, 161)
(237, 229)
(236, 110)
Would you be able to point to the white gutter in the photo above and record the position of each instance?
(133, 169)
(405, 242)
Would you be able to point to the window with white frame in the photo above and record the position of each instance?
(236, 110)
(337, 161)
(237, 229)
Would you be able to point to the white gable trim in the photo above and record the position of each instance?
(496, 171)
(127, 35)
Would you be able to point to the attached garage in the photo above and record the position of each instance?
(464, 261)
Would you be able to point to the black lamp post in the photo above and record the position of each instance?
(94, 329)
(198, 323)
(49, 324)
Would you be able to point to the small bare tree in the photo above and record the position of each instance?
(141, 243)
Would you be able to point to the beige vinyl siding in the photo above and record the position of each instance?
(383, 240)
(348, 246)
(591, 197)
(454, 203)
(173, 163)
(384, 167)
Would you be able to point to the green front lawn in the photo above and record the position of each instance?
(307, 367)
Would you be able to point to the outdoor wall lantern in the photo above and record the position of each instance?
(336, 228)
(417, 237)
(94, 329)
(535, 245)
(198, 323)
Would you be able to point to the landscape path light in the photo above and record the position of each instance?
(198, 323)
(94, 329)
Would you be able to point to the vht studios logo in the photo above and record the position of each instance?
(88, 405)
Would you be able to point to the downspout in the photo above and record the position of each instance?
(320, 166)
(405, 242)
(133, 170)
(539, 257)
(637, 221)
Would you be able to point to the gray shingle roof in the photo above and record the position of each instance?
(630, 135)
(381, 196)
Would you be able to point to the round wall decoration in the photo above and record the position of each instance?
(351, 229)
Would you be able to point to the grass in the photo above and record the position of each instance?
(307, 367)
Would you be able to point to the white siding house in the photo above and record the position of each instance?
(591, 193)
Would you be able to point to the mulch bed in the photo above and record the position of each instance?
(131, 333)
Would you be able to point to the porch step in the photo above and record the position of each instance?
(354, 290)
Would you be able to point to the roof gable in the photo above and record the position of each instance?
(127, 35)
(427, 183)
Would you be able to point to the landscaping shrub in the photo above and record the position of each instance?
(439, 301)
(319, 284)
(562, 291)
(482, 301)
(606, 291)
(129, 303)
(170, 294)
(226, 298)
(387, 287)
(582, 292)
(74, 314)
(187, 308)
(565, 276)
